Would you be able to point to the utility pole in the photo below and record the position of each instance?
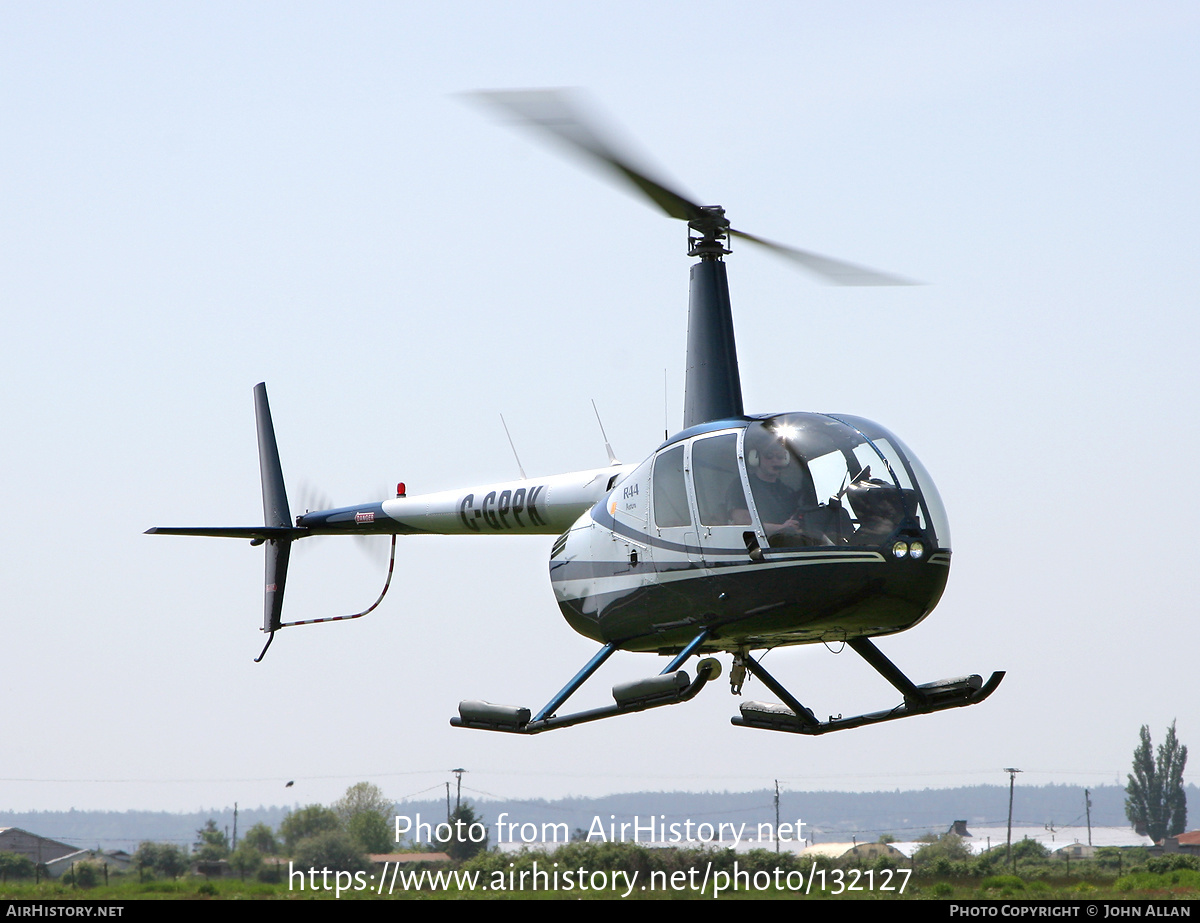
(1087, 802)
(458, 797)
(1012, 781)
(776, 815)
(234, 825)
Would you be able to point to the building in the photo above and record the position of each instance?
(40, 849)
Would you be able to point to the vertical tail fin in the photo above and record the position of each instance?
(275, 511)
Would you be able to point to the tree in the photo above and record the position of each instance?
(370, 832)
(463, 845)
(211, 843)
(246, 859)
(1173, 758)
(1156, 803)
(307, 822)
(262, 838)
(363, 796)
(366, 815)
(160, 859)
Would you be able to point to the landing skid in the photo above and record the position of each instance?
(918, 700)
(673, 686)
(670, 687)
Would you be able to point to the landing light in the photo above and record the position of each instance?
(900, 549)
(915, 550)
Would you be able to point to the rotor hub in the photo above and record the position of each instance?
(707, 233)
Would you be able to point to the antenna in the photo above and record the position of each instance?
(513, 447)
(612, 459)
(666, 412)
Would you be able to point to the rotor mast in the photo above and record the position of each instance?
(713, 385)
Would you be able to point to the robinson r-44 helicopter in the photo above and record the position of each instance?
(740, 533)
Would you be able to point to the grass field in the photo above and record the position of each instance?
(1182, 884)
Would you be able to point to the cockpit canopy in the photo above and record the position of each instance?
(805, 479)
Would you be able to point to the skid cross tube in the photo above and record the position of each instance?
(918, 700)
(888, 670)
(669, 688)
(803, 715)
(580, 678)
(681, 658)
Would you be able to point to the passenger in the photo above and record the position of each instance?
(879, 507)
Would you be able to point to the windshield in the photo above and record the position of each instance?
(819, 480)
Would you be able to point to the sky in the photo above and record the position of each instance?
(199, 197)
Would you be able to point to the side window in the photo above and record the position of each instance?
(669, 492)
(719, 494)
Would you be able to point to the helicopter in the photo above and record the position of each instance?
(740, 533)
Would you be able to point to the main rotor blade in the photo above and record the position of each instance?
(557, 112)
(838, 272)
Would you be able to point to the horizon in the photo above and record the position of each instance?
(827, 816)
(485, 799)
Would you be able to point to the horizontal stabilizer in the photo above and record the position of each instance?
(251, 532)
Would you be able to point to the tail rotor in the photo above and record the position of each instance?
(277, 531)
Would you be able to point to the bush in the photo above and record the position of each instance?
(633, 857)
(163, 859)
(82, 875)
(947, 868)
(884, 864)
(333, 850)
(1028, 849)
(949, 846)
(14, 865)
(1170, 862)
(1000, 882)
(270, 874)
(1149, 881)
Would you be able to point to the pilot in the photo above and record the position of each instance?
(779, 506)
